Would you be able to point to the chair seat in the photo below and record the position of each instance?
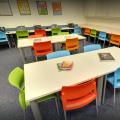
(3, 40)
(111, 80)
(103, 39)
(79, 103)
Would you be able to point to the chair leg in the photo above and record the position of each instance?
(36, 58)
(103, 44)
(65, 116)
(57, 106)
(114, 96)
(104, 89)
(97, 106)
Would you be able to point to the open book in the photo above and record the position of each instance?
(105, 56)
(65, 65)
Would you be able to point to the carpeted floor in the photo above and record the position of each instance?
(10, 109)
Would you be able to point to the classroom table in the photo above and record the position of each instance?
(28, 42)
(110, 30)
(32, 30)
(43, 78)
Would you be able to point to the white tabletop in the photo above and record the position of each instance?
(109, 30)
(43, 78)
(54, 39)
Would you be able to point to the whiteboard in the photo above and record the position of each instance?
(5, 9)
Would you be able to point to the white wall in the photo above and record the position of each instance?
(72, 11)
(102, 12)
(115, 23)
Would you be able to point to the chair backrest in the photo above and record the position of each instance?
(117, 77)
(22, 34)
(58, 54)
(3, 36)
(102, 35)
(78, 30)
(80, 95)
(40, 32)
(63, 33)
(16, 78)
(115, 39)
(56, 31)
(86, 31)
(23, 104)
(72, 44)
(91, 47)
(42, 48)
(93, 33)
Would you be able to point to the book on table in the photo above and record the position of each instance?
(106, 57)
(65, 65)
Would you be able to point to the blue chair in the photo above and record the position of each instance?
(58, 54)
(91, 47)
(114, 80)
(103, 37)
(3, 38)
(77, 30)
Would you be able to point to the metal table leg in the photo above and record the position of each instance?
(100, 90)
(35, 110)
(22, 54)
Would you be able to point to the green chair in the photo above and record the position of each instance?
(22, 34)
(23, 104)
(16, 78)
(63, 33)
(56, 31)
(93, 34)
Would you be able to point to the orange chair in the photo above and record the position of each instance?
(87, 31)
(72, 44)
(115, 39)
(41, 32)
(78, 96)
(42, 48)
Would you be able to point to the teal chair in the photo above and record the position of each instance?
(91, 47)
(114, 80)
(56, 31)
(3, 38)
(57, 54)
(22, 34)
(16, 78)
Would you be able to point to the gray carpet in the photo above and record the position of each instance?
(10, 109)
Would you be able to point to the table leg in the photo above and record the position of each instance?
(99, 90)
(22, 54)
(35, 110)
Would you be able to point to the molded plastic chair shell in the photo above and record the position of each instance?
(86, 31)
(22, 34)
(58, 54)
(115, 39)
(16, 78)
(93, 33)
(72, 44)
(91, 47)
(56, 31)
(40, 32)
(42, 48)
(77, 30)
(78, 96)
